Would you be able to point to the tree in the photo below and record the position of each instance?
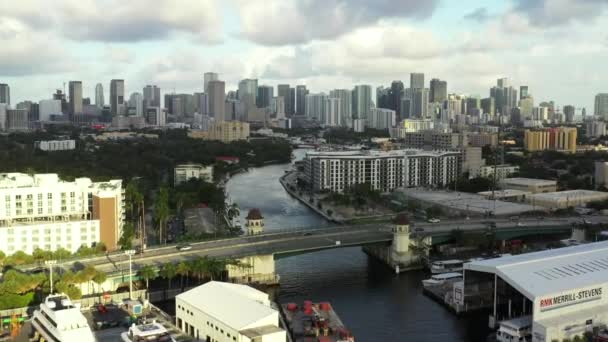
(161, 211)
(168, 271)
(2, 258)
(41, 255)
(147, 272)
(126, 239)
(183, 270)
(233, 211)
(61, 253)
(99, 279)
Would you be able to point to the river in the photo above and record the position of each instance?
(373, 302)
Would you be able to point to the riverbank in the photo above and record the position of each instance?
(286, 180)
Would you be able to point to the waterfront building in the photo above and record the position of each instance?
(55, 145)
(184, 172)
(42, 211)
(552, 295)
(529, 185)
(559, 139)
(218, 311)
(383, 171)
(381, 118)
(502, 171)
(224, 131)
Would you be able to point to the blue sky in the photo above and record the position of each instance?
(557, 47)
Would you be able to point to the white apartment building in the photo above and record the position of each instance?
(41, 211)
(333, 112)
(226, 312)
(384, 171)
(185, 172)
(502, 171)
(381, 118)
(55, 145)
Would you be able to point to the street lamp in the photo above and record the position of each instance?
(130, 253)
(50, 264)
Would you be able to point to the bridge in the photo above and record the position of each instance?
(260, 251)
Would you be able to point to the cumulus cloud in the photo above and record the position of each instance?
(548, 13)
(283, 22)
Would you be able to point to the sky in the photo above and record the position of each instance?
(558, 48)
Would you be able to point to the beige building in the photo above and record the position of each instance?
(502, 171)
(566, 199)
(184, 172)
(483, 139)
(559, 139)
(224, 131)
(531, 185)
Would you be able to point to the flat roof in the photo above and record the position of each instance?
(571, 194)
(238, 306)
(260, 331)
(551, 271)
(528, 181)
(505, 193)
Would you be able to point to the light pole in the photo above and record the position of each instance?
(130, 253)
(50, 264)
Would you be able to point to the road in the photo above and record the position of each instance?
(301, 240)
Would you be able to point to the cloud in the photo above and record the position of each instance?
(551, 13)
(480, 15)
(284, 22)
(120, 21)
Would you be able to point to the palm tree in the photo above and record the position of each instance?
(147, 272)
(183, 269)
(168, 271)
(161, 210)
(233, 211)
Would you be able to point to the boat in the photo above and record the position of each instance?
(58, 319)
(440, 279)
(446, 266)
(148, 332)
(517, 329)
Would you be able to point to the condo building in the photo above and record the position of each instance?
(42, 211)
(384, 171)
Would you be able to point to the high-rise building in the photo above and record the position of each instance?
(151, 96)
(17, 120)
(32, 108)
(332, 112)
(208, 77)
(438, 91)
(66, 214)
(416, 80)
(523, 92)
(75, 90)
(217, 96)
(396, 94)
(361, 101)
(488, 106)
(346, 105)
(569, 113)
(420, 103)
(504, 95)
(383, 97)
(117, 97)
(595, 129)
(559, 139)
(526, 105)
(278, 107)
(315, 107)
(301, 93)
(201, 103)
(601, 106)
(3, 109)
(156, 116)
(283, 90)
(136, 104)
(48, 108)
(99, 99)
(473, 106)
(265, 95)
(381, 118)
(5, 94)
(292, 102)
(248, 87)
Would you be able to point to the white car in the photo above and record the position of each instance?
(182, 248)
(434, 220)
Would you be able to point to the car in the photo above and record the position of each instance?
(182, 248)
(434, 220)
(418, 229)
(585, 221)
(307, 234)
(520, 224)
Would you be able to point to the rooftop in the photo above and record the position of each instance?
(238, 306)
(551, 271)
(504, 193)
(571, 194)
(529, 181)
(260, 331)
(362, 154)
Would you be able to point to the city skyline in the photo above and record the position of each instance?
(469, 44)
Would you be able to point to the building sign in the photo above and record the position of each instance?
(572, 298)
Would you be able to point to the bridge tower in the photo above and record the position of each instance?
(401, 234)
(255, 222)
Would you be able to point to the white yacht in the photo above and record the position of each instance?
(517, 329)
(446, 266)
(58, 320)
(147, 332)
(440, 279)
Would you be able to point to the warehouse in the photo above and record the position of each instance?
(566, 199)
(545, 296)
(529, 184)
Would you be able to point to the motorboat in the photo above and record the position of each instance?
(446, 266)
(147, 332)
(440, 279)
(58, 320)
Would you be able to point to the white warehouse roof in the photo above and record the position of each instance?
(571, 195)
(529, 181)
(238, 306)
(551, 271)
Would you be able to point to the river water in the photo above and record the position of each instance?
(373, 302)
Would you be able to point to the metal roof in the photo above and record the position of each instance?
(551, 271)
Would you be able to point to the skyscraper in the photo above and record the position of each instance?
(99, 99)
(301, 93)
(396, 94)
(417, 80)
(151, 96)
(523, 92)
(75, 90)
(361, 101)
(420, 103)
(332, 111)
(601, 106)
(208, 77)
(201, 103)
(217, 97)
(265, 95)
(292, 102)
(284, 91)
(117, 96)
(569, 113)
(488, 106)
(136, 103)
(438, 91)
(346, 107)
(383, 97)
(5, 94)
(504, 95)
(247, 87)
(315, 107)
